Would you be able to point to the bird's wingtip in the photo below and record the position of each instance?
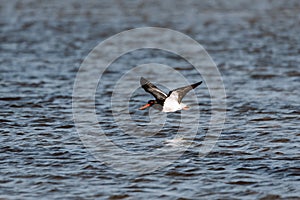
(196, 84)
(143, 81)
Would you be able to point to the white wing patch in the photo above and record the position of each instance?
(161, 92)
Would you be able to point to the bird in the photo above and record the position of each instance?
(167, 103)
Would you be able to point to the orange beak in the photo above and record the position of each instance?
(145, 106)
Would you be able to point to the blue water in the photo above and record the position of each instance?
(256, 48)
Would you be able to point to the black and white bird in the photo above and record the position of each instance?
(170, 102)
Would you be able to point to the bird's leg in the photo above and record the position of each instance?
(185, 108)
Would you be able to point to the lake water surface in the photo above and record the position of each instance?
(256, 47)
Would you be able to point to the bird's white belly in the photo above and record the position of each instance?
(171, 107)
(171, 104)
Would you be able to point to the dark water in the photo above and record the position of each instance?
(256, 46)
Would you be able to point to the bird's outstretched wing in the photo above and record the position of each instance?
(184, 90)
(152, 89)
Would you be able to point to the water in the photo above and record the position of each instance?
(256, 48)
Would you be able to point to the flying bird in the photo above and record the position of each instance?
(170, 102)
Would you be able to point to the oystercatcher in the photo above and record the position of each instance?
(170, 102)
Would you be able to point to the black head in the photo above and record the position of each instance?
(152, 102)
